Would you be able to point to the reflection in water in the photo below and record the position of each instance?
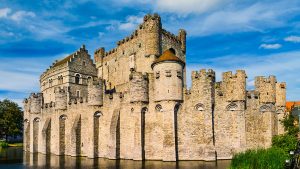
(14, 156)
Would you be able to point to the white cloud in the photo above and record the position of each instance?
(235, 17)
(131, 23)
(187, 6)
(4, 12)
(270, 46)
(295, 39)
(19, 15)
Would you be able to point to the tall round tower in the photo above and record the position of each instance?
(152, 26)
(168, 74)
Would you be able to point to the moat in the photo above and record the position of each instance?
(15, 158)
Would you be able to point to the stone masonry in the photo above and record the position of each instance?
(132, 102)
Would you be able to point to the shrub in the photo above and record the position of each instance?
(3, 144)
(285, 142)
(272, 158)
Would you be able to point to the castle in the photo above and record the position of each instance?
(133, 103)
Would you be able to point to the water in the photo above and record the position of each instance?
(15, 158)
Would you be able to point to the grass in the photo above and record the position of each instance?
(4, 144)
(272, 158)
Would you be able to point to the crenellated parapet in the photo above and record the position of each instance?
(95, 92)
(202, 80)
(266, 86)
(139, 87)
(99, 54)
(280, 94)
(234, 85)
(36, 101)
(60, 98)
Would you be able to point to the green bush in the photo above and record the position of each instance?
(3, 144)
(272, 158)
(285, 142)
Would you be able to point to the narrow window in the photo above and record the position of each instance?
(168, 73)
(83, 63)
(157, 75)
(78, 93)
(77, 78)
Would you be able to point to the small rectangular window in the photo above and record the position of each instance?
(168, 73)
(78, 93)
(179, 74)
(157, 75)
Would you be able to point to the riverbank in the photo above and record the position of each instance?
(4, 144)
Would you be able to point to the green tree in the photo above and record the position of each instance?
(11, 119)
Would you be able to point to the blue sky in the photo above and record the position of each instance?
(260, 36)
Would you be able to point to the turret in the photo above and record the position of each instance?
(168, 77)
(203, 84)
(98, 55)
(60, 98)
(152, 26)
(95, 93)
(36, 100)
(234, 85)
(280, 94)
(182, 38)
(266, 88)
(138, 87)
(26, 104)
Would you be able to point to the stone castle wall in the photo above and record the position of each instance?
(130, 110)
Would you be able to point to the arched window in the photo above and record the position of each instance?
(36, 119)
(265, 108)
(199, 107)
(60, 79)
(98, 114)
(89, 79)
(232, 107)
(63, 117)
(173, 51)
(158, 108)
(77, 78)
(50, 82)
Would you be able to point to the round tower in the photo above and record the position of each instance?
(138, 87)
(60, 98)
(36, 100)
(168, 77)
(95, 93)
(152, 26)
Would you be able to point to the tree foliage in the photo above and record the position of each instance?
(11, 119)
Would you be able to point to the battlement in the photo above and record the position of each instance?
(227, 76)
(266, 86)
(203, 74)
(234, 85)
(252, 94)
(95, 92)
(36, 95)
(65, 61)
(139, 87)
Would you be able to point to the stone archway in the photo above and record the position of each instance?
(35, 140)
(26, 135)
(143, 125)
(97, 116)
(176, 112)
(62, 134)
